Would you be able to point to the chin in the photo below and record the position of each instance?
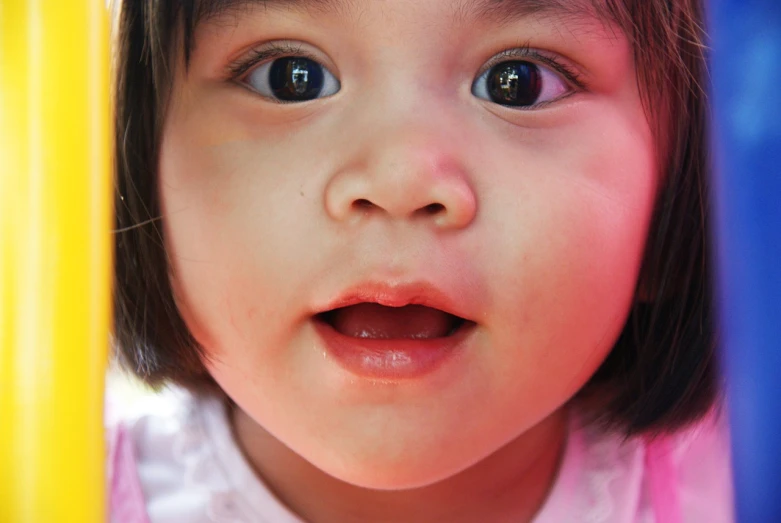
(406, 471)
(379, 478)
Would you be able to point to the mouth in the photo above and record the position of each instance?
(374, 321)
(395, 332)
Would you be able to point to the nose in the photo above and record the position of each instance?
(406, 176)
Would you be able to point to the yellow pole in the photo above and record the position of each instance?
(55, 258)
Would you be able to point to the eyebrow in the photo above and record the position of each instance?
(488, 10)
(510, 10)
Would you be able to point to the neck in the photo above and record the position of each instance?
(510, 484)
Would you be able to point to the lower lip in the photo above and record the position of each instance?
(391, 359)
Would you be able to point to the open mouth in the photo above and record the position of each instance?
(410, 322)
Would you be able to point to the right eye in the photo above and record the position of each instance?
(293, 79)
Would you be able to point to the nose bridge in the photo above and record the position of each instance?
(407, 167)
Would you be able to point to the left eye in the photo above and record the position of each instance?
(519, 83)
(293, 79)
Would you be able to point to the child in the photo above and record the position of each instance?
(441, 260)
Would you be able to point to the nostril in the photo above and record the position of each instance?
(363, 204)
(433, 208)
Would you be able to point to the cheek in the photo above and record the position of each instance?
(568, 234)
(227, 205)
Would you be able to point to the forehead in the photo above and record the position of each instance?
(462, 10)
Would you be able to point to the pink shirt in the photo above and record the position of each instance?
(174, 460)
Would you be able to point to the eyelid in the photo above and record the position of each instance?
(268, 51)
(570, 73)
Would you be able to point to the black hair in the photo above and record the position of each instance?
(662, 372)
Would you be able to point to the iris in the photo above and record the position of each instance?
(514, 83)
(296, 79)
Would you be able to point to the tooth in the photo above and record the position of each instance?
(365, 334)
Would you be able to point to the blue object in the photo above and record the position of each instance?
(746, 68)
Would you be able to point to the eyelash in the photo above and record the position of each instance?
(274, 50)
(526, 52)
(271, 51)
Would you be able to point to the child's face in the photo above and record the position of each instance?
(404, 165)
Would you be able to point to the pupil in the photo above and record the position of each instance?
(295, 79)
(514, 83)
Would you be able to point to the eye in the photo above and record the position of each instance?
(293, 79)
(520, 83)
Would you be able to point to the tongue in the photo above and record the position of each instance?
(371, 320)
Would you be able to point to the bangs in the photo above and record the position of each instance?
(194, 12)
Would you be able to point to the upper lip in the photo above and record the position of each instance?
(399, 294)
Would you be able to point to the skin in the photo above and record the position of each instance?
(543, 219)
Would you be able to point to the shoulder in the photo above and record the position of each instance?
(159, 459)
(686, 476)
(702, 468)
(187, 465)
(606, 478)
(157, 425)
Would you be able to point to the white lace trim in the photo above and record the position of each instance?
(193, 451)
(214, 465)
(599, 480)
(613, 472)
(601, 474)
